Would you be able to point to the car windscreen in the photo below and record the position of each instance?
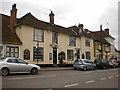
(104, 61)
(98, 60)
(87, 61)
(78, 61)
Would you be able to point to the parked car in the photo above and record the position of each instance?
(118, 63)
(17, 65)
(102, 64)
(83, 64)
(113, 63)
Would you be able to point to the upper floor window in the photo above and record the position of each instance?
(107, 48)
(38, 34)
(55, 37)
(87, 42)
(72, 41)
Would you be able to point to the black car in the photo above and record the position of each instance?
(118, 63)
(102, 64)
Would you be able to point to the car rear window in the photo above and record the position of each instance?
(78, 60)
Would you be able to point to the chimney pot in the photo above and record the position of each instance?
(51, 17)
(81, 27)
(14, 6)
(107, 31)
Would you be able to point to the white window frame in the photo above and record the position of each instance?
(72, 41)
(12, 52)
(87, 42)
(38, 34)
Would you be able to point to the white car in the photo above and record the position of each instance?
(17, 65)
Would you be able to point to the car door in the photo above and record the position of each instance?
(92, 65)
(23, 66)
(87, 63)
(13, 65)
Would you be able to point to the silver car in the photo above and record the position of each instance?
(83, 64)
(16, 65)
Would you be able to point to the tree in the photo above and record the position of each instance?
(61, 57)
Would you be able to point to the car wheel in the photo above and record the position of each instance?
(34, 71)
(104, 67)
(75, 68)
(85, 68)
(94, 68)
(5, 71)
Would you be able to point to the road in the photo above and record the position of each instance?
(64, 79)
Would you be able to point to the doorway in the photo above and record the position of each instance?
(54, 56)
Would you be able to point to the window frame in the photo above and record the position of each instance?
(88, 57)
(87, 42)
(70, 52)
(72, 41)
(35, 58)
(42, 35)
(26, 54)
(55, 37)
(11, 51)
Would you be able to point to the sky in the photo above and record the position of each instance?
(91, 13)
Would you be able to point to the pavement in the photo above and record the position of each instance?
(55, 68)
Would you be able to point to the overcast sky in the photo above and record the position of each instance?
(91, 13)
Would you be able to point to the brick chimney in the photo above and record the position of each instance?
(51, 17)
(81, 28)
(107, 31)
(13, 19)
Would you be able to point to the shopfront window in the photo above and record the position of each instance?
(12, 51)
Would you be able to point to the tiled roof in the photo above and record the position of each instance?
(75, 28)
(8, 36)
(104, 34)
(30, 20)
(100, 38)
(90, 34)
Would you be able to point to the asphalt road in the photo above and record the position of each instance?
(64, 79)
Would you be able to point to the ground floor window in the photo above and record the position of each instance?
(1, 51)
(70, 54)
(38, 54)
(87, 55)
(27, 54)
(12, 51)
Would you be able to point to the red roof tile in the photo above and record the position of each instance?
(8, 36)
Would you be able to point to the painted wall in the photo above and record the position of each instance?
(26, 35)
(85, 49)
